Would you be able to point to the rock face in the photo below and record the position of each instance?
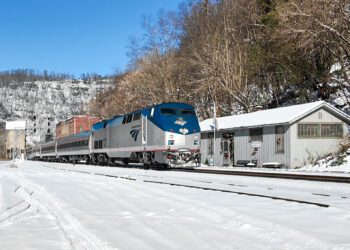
(44, 103)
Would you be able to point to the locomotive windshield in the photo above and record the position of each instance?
(170, 111)
(187, 112)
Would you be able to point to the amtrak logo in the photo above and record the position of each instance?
(183, 131)
(180, 121)
(134, 133)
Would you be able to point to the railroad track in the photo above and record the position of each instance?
(318, 204)
(305, 177)
(323, 178)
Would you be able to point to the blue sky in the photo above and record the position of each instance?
(72, 36)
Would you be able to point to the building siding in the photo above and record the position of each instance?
(267, 152)
(205, 156)
(307, 150)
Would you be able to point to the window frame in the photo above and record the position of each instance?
(339, 130)
(337, 126)
(257, 136)
(302, 132)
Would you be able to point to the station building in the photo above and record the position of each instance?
(289, 136)
(75, 125)
(15, 139)
(2, 140)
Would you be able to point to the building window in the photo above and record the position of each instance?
(322, 130)
(255, 134)
(81, 128)
(309, 130)
(331, 130)
(279, 140)
(320, 115)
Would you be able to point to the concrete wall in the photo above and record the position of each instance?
(306, 150)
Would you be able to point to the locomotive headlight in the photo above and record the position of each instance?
(171, 140)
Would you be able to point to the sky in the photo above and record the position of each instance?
(72, 36)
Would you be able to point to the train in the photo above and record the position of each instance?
(162, 135)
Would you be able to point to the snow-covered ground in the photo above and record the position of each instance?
(321, 167)
(54, 206)
(325, 165)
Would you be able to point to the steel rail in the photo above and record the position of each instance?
(197, 187)
(306, 177)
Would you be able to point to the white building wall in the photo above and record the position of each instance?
(217, 160)
(306, 150)
(267, 151)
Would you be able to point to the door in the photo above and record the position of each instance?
(144, 130)
(227, 148)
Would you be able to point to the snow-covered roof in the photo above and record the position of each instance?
(284, 115)
(15, 125)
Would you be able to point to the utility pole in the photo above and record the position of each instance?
(215, 127)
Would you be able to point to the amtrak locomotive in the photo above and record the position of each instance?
(167, 134)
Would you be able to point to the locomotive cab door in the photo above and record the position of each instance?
(144, 139)
(144, 130)
(227, 149)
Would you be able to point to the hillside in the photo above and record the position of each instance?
(44, 103)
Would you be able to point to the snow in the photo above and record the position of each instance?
(335, 67)
(341, 101)
(324, 165)
(44, 103)
(341, 171)
(268, 117)
(54, 206)
(15, 125)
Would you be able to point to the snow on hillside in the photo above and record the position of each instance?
(44, 103)
(340, 96)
